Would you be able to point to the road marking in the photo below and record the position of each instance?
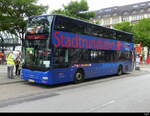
(108, 103)
(28, 98)
(100, 106)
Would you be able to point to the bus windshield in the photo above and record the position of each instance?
(36, 53)
(36, 46)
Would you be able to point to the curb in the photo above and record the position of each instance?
(11, 82)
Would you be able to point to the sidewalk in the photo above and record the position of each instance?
(145, 67)
(3, 76)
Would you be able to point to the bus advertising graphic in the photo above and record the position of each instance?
(62, 39)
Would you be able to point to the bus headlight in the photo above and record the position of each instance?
(45, 78)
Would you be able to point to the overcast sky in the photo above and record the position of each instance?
(93, 4)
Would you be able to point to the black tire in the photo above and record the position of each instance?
(79, 77)
(120, 70)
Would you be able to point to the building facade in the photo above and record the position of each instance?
(117, 14)
(8, 41)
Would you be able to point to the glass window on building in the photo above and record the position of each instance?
(106, 21)
(125, 13)
(135, 6)
(137, 17)
(115, 14)
(142, 11)
(141, 17)
(148, 15)
(125, 19)
(134, 12)
(134, 18)
(148, 9)
(115, 20)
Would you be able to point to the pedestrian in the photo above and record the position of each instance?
(1, 57)
(137, 66)
(10, 65)
(17, 64)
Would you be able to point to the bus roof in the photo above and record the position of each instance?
(85, 22)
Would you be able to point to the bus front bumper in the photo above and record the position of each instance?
(36, 76)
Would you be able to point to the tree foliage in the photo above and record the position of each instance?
(124, 26)
(142, 32)
(76, 9)
(14, 12)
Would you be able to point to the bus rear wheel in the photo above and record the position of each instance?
(120, 70)
(79, 76)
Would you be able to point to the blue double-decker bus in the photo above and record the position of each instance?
(58, 49)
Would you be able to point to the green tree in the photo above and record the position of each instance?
(76, 9)
(124, 26)
(14, 12)
(142, 32)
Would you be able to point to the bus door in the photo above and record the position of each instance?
(109, 65)
(61, 72)
(97, 67)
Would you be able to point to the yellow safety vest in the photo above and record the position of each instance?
(10, 60)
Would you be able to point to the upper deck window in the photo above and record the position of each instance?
(39, 25)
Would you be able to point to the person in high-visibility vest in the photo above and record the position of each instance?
(10, 65)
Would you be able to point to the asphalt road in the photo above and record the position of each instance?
(126, 93)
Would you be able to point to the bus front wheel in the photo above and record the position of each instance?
(79, 76)
(120, 70)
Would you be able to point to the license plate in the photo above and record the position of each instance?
(31, 80)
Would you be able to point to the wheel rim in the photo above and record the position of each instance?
(79, 76)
